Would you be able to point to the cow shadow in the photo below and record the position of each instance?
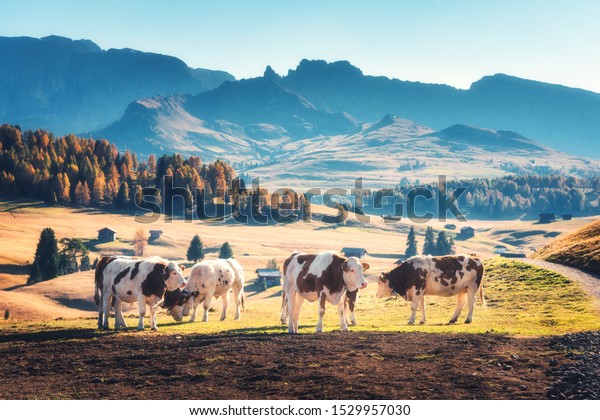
(54, 335)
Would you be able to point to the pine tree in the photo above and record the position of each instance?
(444, 244)
(429, 247)
(85, 263)
(195, 251)
(47, 259)
(82, 194)
(225, 251)
(411, 244)
(123, 196)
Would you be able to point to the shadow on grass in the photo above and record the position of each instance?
(53, 335)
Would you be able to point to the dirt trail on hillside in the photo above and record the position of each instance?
(86, 364)
(590, 282)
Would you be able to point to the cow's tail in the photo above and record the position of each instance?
(283, 313)
(243, 304)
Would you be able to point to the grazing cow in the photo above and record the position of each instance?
(144, 281)
(452, 275)
(325, 277)
(208, 279)
(175, 301)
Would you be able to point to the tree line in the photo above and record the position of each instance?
(514, 196)
(86, 172)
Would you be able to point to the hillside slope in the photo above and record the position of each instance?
(580, 249)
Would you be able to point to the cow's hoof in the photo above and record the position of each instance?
(467, 321)
(154, 329)
(140, 329)
(411, 322)
(452, 321)
(344, 330)
(422, 322)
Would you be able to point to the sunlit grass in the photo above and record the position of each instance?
(522, 300)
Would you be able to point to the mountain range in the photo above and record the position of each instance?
(326, 112)
(66, 86)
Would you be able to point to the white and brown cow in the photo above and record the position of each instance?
(325, 277)
(452, 275)
(145, 281)
(208, 279)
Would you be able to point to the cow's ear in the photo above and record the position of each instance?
(366, 266)
(182, 267)
(345, 266)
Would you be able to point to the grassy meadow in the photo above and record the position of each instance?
(522, 299)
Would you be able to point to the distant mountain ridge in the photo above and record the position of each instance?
(64, 85)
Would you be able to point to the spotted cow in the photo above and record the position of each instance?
(453, 275)
(325, 277)
(145, 281)
(208, 279)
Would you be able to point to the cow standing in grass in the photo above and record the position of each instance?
(453, 275)
(207, 280)
(144, 281)
(325, 277)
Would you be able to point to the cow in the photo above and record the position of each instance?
(175, 301)
(452, 275)
(326, 277)
(208, 279)
(145, 281)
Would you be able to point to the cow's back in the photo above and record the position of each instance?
(210, 276)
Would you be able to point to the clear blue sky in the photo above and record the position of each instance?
(454, 41)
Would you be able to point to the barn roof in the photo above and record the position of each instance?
(466, 228)
(268, 272)
(354, 250)
(107, 229)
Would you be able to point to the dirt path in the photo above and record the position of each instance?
(590, 282)
(85, 364)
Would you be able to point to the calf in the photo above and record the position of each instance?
(459, 276)
(208, 279)
(144, 281)
(325, 277)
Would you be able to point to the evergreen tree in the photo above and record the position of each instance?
(429, 247)
(225, 251)
(85, 263)
(122, 196)
(47, 259)
(195, 251)
(411, 244)
(95, 263)
(444, 245)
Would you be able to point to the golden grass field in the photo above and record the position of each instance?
(522, 299)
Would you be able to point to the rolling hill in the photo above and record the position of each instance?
(580, 249)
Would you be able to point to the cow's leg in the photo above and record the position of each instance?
(153, 326)
(295, 315)
(142, 311)
(340, 307)
(206, 306)
(291, 305)
(119, 320)
(472, 293)
(284, 308)
(237, 297)
(107, 297)
(414, 305)
(460, 304)
(195, 303)
(423, 316)
(322, 302)
(100, 311)
(225, 306)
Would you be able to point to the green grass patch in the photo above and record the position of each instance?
(522, 300)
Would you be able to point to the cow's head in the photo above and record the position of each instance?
(173, 276)
(175, 302)
(354, 273)
(384, 288)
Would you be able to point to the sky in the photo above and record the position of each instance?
(454, 42)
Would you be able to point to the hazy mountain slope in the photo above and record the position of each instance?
(564, 118)
(384, 152)
(72, 86)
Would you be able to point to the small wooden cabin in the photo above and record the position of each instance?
(467, 232)
(547, 217)
(107, 235)
(354, 252)
(154, 235)
(268, 277)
